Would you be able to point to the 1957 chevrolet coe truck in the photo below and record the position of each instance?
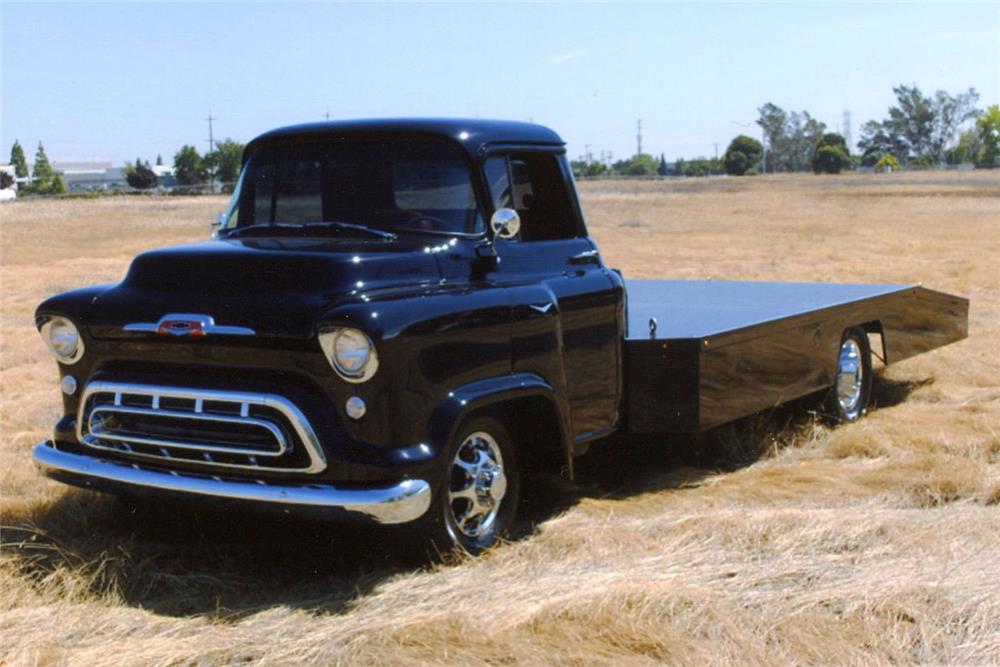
(396, 318)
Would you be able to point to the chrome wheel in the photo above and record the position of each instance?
(850, 379)
(477, 484)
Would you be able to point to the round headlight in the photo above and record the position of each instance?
(63, 339)
(350, 352)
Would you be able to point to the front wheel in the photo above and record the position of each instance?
(852, 386)
(476, 501)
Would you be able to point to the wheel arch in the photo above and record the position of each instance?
(526, 404)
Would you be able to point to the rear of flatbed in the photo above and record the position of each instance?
(699, 354)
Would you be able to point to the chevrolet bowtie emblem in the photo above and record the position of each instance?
(188, 324)
(181, 327)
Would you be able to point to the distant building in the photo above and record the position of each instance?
(9, 194)
(165, 175)
(91, 175)
(81, 176)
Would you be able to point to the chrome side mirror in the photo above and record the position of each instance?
(506, 223)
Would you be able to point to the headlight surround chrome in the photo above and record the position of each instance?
(63, 339)
(350, 351)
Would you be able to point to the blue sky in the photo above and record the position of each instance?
(116, 81)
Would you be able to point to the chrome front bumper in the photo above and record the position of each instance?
(406, 501)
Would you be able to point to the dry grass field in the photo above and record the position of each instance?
(872, 543)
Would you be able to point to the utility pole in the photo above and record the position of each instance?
(716, 144)
(763, 152)
(587, 154)
(847, 128)
(211, 148)
(328, 114)
(638, 137)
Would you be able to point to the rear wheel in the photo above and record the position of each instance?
(476, 501)
(852, 388)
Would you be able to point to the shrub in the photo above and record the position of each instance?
(887, 163)
(743, 153)
(831, 155)
(830, 160)
(140, 177)
(6, 180)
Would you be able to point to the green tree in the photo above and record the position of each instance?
(140, 176)
(6, 180)
(877, 141)
(159, 160)
(742, 154)
(44, 181)
(41, 172)
(18, 160)
(924, 126)
(225, 161)
(189, 166)
(642, 164)
(56, 185)
(988, 125)
(831, 155)
(662, 169)
(967, 149)
(791, 137)
(585, 169)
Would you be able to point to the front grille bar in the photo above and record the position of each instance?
(92, 431)
(96, 428)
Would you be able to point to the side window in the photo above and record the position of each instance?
(498, 178)
(541, 198)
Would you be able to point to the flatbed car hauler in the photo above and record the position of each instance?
(395, 318)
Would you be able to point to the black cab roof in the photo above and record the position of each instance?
(472, 134)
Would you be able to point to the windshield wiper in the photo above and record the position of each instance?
(333, 224)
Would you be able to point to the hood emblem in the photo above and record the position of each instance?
(188, 324)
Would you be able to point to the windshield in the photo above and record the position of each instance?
(422, 186)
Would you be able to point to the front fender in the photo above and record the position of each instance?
(474, 396)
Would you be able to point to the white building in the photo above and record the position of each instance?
(8, 194)
(91, 175)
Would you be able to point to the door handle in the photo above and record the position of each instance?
(585, 257)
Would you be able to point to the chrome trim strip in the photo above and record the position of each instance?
(304, 431)
(207, 322)
(406, 501)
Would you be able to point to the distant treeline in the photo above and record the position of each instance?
(920, 131)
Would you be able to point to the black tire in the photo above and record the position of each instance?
(848, 398)
(443, 524)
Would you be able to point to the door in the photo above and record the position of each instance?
(556, 275)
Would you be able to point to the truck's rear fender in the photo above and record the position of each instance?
(526, 403)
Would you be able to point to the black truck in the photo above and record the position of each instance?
(395, 318)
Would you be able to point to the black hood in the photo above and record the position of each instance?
(277, 287)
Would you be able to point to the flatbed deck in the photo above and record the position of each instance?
(703, 353)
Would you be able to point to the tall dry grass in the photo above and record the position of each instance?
(873, 543)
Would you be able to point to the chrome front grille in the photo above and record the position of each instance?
(226, 429)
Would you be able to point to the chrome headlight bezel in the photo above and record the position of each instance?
(351, 353)
(62, 337)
